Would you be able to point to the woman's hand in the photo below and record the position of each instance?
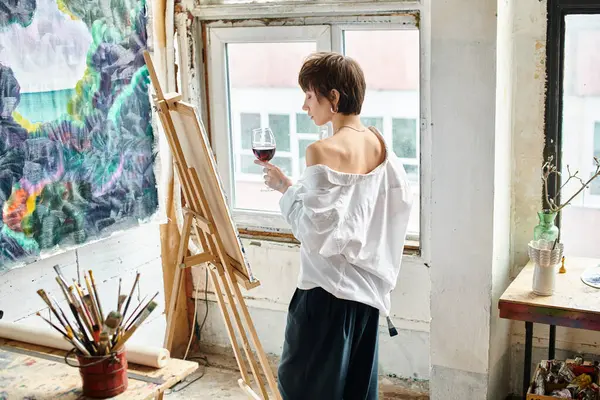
(274, 176)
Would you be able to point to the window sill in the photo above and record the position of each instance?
(411, 247)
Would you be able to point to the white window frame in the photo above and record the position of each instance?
(219, 38)
(221, 32)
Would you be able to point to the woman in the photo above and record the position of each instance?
(350, 212)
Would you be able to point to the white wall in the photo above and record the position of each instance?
(464, 217)
(499, 363)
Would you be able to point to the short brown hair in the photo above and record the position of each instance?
(322, 72)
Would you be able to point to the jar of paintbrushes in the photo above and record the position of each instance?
(98, 339)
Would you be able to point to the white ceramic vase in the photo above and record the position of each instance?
(546, 261)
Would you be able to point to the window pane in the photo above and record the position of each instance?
(404, 137)
(305, 125)
(372, 121)
(412, 171)
(597, 140)
(248, 123)
(280, 125)
(264, 91)
(302, 145)
(255, 198)
(390, 61)
(581, 134)
(595, 186)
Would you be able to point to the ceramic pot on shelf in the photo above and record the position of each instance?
(546, 255)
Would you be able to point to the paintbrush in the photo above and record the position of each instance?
(46, 299)
(121, 301)
(112, 323)
(96, 310)
(63, 281)
(119, 295)
(136, 324)
(80, 311)
(51, 324)
(63, 288)
(135, 310)
(71, 305)
(78, 344)
(68, 336)
(81, 298)
(133, 316)
(86, 304)
(81, 321)
(87, 301)
(104, 344)
(137, 279)
(73, 311)
(95, 325)
(96, 294)
(65, 321)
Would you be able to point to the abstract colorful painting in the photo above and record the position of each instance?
(76, 140)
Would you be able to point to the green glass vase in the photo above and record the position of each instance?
(546, 228)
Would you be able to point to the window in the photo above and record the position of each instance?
(253, 74)
(405, 142)
(390, 61)
(376, 122)
(573, 116)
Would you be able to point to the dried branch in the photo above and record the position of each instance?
(549, 168)
(571, 176)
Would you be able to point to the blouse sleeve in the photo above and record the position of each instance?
(314, 218)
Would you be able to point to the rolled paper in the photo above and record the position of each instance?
(149, 356)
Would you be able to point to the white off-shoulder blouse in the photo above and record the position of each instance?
(352, 229)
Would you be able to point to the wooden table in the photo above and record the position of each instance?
(573, 304)
(35, 372)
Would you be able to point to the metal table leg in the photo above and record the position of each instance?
(552, 344)
(527, 363)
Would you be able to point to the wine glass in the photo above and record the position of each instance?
(263, 146)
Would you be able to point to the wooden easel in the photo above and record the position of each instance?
(204, 222)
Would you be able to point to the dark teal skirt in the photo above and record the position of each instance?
(330, 349)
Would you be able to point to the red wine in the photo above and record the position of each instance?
(264, 153)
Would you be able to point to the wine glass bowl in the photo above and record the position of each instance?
(263, 144)
(264, 154)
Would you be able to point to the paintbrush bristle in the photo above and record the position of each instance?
(113, 319)
(152, 306)
(122, 299)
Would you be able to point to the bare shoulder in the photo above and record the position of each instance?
(321, 152)
(315, 153)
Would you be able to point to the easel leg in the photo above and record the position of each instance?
(230, 332)
(253, 335)
(242, 332)
(248, 390)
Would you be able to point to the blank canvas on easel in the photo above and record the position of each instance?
(198, 155)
